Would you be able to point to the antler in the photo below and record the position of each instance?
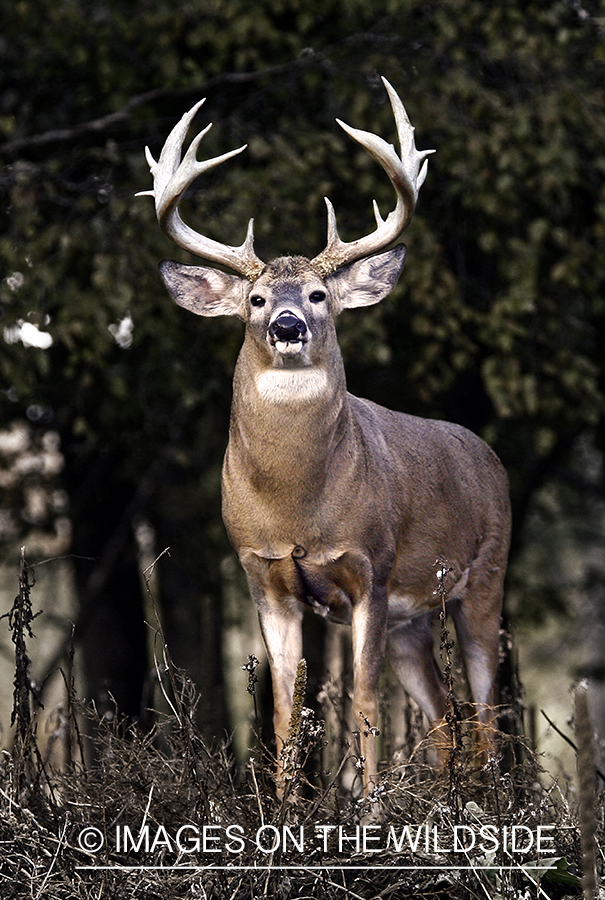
(172, 177)
(407, 176)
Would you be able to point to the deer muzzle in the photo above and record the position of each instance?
(288, 332)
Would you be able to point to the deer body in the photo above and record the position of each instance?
(333, 502)
(339, 504)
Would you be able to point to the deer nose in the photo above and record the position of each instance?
(287, 327)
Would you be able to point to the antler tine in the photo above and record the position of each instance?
(171, 178)
(407, 175)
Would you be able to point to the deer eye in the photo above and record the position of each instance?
(257, 300)
(317, 296)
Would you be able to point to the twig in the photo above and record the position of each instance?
(257, 794)
(70, 686)
(569, 741)
(54, 860)
(182, 716)
(559, 732)
(323, 796)
(340, 887)
(533, 880)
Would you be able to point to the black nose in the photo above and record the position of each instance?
(287, 327)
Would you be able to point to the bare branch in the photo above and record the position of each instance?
(109, 123)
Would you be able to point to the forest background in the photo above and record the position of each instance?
(114, 403)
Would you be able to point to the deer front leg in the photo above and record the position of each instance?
(369, 622)
(281, 626)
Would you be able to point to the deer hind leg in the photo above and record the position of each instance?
(410, 653)
(477, 621)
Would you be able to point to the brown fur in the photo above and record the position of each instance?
(336, 503)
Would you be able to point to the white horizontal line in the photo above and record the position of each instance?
(330, 868)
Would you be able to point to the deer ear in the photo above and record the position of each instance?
(367, 281)
(203, 291)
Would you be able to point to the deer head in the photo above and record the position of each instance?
(288, 304)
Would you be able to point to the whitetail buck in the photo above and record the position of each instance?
(331, 501)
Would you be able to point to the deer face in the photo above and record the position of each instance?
(289, 314)
(289, 310)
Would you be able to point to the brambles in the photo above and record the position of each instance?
(132, 821)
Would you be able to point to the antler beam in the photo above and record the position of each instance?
(406, 174)
(172, 177)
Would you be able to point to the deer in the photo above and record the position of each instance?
(332, 502)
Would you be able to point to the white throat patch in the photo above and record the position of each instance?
(292, 385)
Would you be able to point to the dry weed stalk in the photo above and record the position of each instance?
(73, 704)
(304, 737)
(453, 716)
(28, 763)
(586, 789)
(290, 755)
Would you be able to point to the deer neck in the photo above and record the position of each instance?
(287, 424)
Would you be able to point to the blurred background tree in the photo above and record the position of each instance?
(498, 322)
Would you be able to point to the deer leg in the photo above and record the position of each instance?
(281, 626)
(369, 619)
(410, 653)
(477, 621)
